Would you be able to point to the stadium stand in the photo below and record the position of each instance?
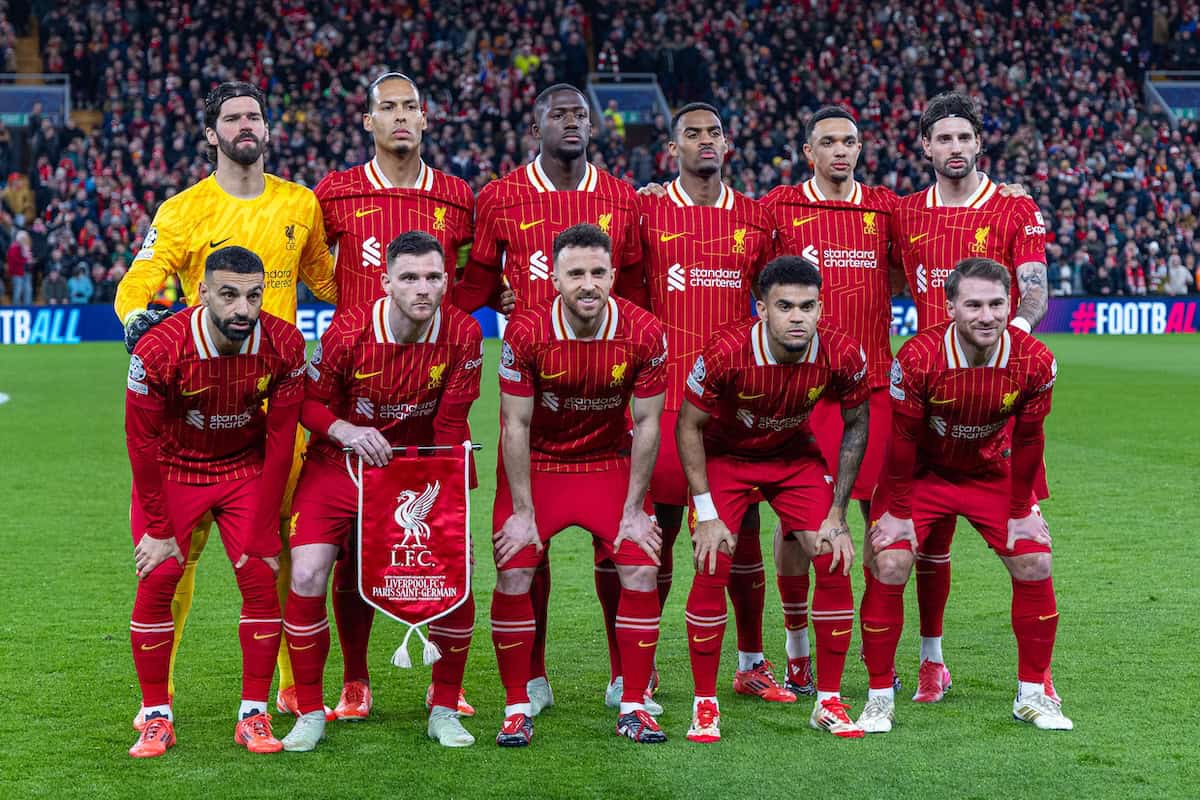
(1061, 88)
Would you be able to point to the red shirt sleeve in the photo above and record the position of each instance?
(901, 464)
(144, 408)
(462, 389)
(849, 375)
(652, 376)
(706, 381)
(1029, 238)
(517, 362)
(631, 269)
(326, 379)
(908, 384)
(480, 284)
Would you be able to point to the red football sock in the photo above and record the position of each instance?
(706, 617)
(452, 635)
(747, 588)
(608, 589)
(667, 565)
(882, 617)
(933, 576)
(1035, 623)
(638, 617)
(832, 621)
(151, 631)
(354, 619)
(306, 626)
(513, 629)
(793, 595)
(539, 593)
(259, 629)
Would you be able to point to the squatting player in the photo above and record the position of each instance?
(401, 370)
(970, 398)
(238, 204)
(568, 368)
(364, 208)
(963, 214)
(516, 222)
(842, 228)
(744, 428)
(200, 443)
(704, 245)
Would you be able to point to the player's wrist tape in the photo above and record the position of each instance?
(705, 510)
(1022, 323)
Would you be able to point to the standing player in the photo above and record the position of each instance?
(365, 208)
(961, 215)
(744, 428)
(239, 204)
(568, 369)
(402, 370)
(957, 390)
(200, 443)
(842, 228)
(517, 220)
(704, 246)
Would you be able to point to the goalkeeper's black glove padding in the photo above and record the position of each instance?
(141, 322)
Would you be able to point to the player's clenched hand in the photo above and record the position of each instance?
(151, 552)
(709, 538)
(369, 443)
(888, 530)
(508, 301)
(1034, 528)
(638, 528)
(655, 189)
(518, 532)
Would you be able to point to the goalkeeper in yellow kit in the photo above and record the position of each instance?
(238, 204)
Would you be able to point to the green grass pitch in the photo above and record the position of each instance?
(1123, 464)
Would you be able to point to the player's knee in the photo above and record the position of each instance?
(892, 566)
(308, 578)
(256, 581)
(1030, 567)
(810, 545)
(790, 558)
(514, 581)
(640, 578)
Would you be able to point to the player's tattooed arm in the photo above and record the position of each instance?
(1031, 281)
(834, 530)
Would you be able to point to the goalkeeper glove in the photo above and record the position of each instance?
(142, 321)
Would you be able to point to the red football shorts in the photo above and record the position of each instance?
(668, 484)
(826, 422)
(591, 500)
(799, 491)
(982, 501)
(325, 506)
(232, 504)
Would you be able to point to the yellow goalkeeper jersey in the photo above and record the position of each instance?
(283, 225)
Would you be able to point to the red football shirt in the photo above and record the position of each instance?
(517, 219)
(581, 387)
(850, 243)
(364, 212)
(759, 408)
(701, 263)
(967, 409)
(211, 406)
(933, 238)
(363, 375)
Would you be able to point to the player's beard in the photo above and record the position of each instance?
(958, 172)
(231, 333)
(239, 151)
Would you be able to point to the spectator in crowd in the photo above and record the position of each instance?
(106, 289)
(79, 287)
(54, 288)
(1179, 277)
(19, 264)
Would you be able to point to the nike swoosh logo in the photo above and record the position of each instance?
(306, 647)
(193, 393)
(647, 644)
(215, 245)
(462, 649)
(546, 377)
(259, 638)
(744, 396)
(527, 225)
(362, 376)
(1048, 616)
(699, 640)
(869, 629)
(796, 628)
(362, 212)
(509, 646)
(842, 633)
(156, 646)
(797, 222)
(666, 237)
(758, 585)
(937, 401)
(918, 237)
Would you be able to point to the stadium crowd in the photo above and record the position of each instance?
(1116, 183)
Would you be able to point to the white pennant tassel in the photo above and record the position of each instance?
(401, 658)
(430, 652)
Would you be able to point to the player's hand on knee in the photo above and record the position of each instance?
(653, 189)
(889, 530)
(1033, 528)
(141, 322)
(518, 532)
(150, 552)
(366, 442)
(711, 537)
(638, 528)
(843, 551)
